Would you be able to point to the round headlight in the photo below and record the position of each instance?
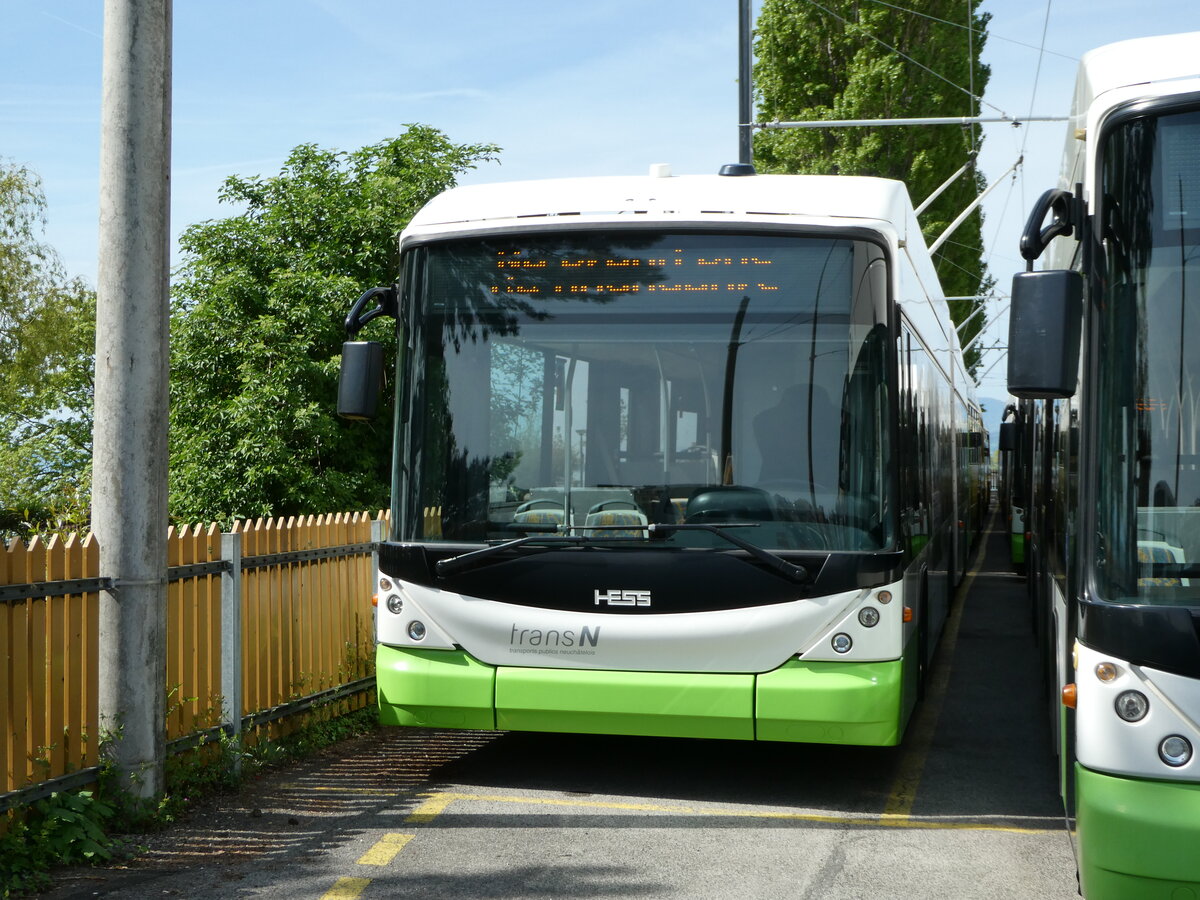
(1132, 706)
(395, 604)
(1175, 750)
(868, 617)
(841, 643)
(416, 630)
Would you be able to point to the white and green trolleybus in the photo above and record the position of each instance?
(674, 456)
(1105, 354)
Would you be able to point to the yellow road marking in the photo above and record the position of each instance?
(870, 819)
(385, 850)
(921, 730)
(345, 790)
(428, 810)
(346, 889)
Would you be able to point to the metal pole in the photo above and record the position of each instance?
(745, 84)
(983, 328)
(231, 643)
(930, 120)
(129, 463)
(962, 216)
(945, 184)
(963, 324)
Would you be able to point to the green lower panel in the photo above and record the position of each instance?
(1137, 838)
(1017, 548)
(434, 688)
(833, 703)
(817, 702)
(665, 704)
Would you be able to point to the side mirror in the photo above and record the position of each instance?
(1044, 327)
(360, 380)
(1009, 436)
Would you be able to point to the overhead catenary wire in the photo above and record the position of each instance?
(992, 36)
(962, 121)
(1037, 73)
(1015, 185)
(1004, 118)
(905, 56)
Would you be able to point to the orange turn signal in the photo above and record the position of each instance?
(908, 614)
(375, 600)
(1068, 695)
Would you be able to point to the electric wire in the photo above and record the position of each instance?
(991, 36)
(905, 56)
(1037, 72)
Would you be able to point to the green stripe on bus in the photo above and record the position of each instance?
(812, 702)
(1137, 837)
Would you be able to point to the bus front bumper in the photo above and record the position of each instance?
(812, 702)
(1137, 838)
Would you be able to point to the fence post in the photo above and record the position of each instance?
(378, 536)
(231, 642)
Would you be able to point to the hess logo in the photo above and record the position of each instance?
(614, 597)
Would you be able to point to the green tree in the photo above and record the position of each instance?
(47, 344)
(258, 307)
(863, 59)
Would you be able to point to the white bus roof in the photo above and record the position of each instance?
(1110, 77)
(687, 199)
(1134, 62)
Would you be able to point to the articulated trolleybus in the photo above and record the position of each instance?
(1104, 351)
(674, 456)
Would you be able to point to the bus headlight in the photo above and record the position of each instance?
(868, 617)
(416, 630)
(395, 604)
(841, 643)
(1175, 750)
(1132, 706)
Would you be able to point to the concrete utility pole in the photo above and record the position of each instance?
(129, 462)
(745, 84)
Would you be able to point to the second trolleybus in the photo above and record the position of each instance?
(1105, 356)
(676, 456)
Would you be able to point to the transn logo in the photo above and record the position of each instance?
(615, 597)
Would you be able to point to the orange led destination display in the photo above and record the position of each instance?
(528, 273)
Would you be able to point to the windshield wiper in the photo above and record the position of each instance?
(475, 558)
(775, 563)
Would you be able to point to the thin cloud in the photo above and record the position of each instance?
(71, 24)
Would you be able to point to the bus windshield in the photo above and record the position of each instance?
(594, 383)
(1148, 332)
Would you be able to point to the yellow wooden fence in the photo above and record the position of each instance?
(306, 618)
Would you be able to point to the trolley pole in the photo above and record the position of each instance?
(129, 462)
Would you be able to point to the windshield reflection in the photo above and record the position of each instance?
(1149, 383)
(594, 384)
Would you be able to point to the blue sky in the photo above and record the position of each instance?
(565, 88)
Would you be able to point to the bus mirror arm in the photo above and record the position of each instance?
(1034, 239)
(387, 304)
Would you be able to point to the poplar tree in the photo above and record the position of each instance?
(867, 59)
